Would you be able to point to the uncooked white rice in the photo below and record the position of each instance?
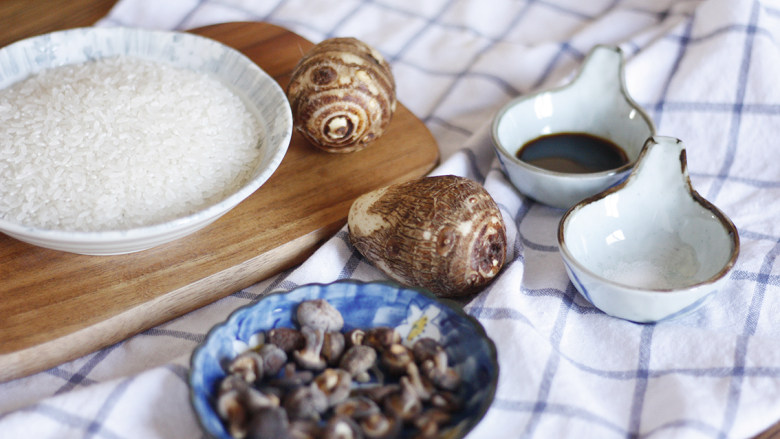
(119, 143)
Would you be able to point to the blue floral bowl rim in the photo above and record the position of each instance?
(451, 304)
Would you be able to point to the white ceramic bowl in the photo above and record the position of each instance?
(650, 248)
(596, 103)
(257, 88)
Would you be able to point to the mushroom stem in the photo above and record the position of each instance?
(309, 357)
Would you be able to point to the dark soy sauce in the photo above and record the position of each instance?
(576, 153)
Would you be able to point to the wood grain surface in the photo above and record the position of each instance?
(58, 306)
(25, 18)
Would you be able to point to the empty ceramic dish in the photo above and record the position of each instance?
(650, 248)
(562, 145)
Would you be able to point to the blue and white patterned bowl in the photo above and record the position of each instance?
(260, 92)
(413, 313)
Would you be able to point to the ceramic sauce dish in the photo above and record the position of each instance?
(576, 140)
(650, 248)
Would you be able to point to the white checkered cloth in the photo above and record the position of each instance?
(707, 72)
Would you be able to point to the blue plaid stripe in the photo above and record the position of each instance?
(553, 361)
(751, 321)
(77, 378)
(738, 102)
(488, 313)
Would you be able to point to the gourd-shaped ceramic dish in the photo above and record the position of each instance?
(595, 102)
(650, 248)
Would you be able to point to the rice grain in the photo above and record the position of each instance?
(120, 143)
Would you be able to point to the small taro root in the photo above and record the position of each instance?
(443, 233)
(342, 95)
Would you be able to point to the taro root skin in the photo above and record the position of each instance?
(342, 95)
(444, 234)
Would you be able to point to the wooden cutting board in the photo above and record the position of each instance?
(57, 306)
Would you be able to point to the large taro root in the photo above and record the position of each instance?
(342, 95)
(444, 234)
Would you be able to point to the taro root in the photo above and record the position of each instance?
(342, 95)
(444, 234)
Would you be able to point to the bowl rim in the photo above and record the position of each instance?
(448, 303)
(210, 211)
(499, 118)
(728, 227)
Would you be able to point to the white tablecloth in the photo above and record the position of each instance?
(706, 70)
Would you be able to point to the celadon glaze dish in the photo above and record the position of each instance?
(413, 313)
(596, 103)
(650, 248)
(260, 93)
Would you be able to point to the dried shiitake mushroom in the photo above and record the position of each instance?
(443, 233)
(342, 95)
(379, 389)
